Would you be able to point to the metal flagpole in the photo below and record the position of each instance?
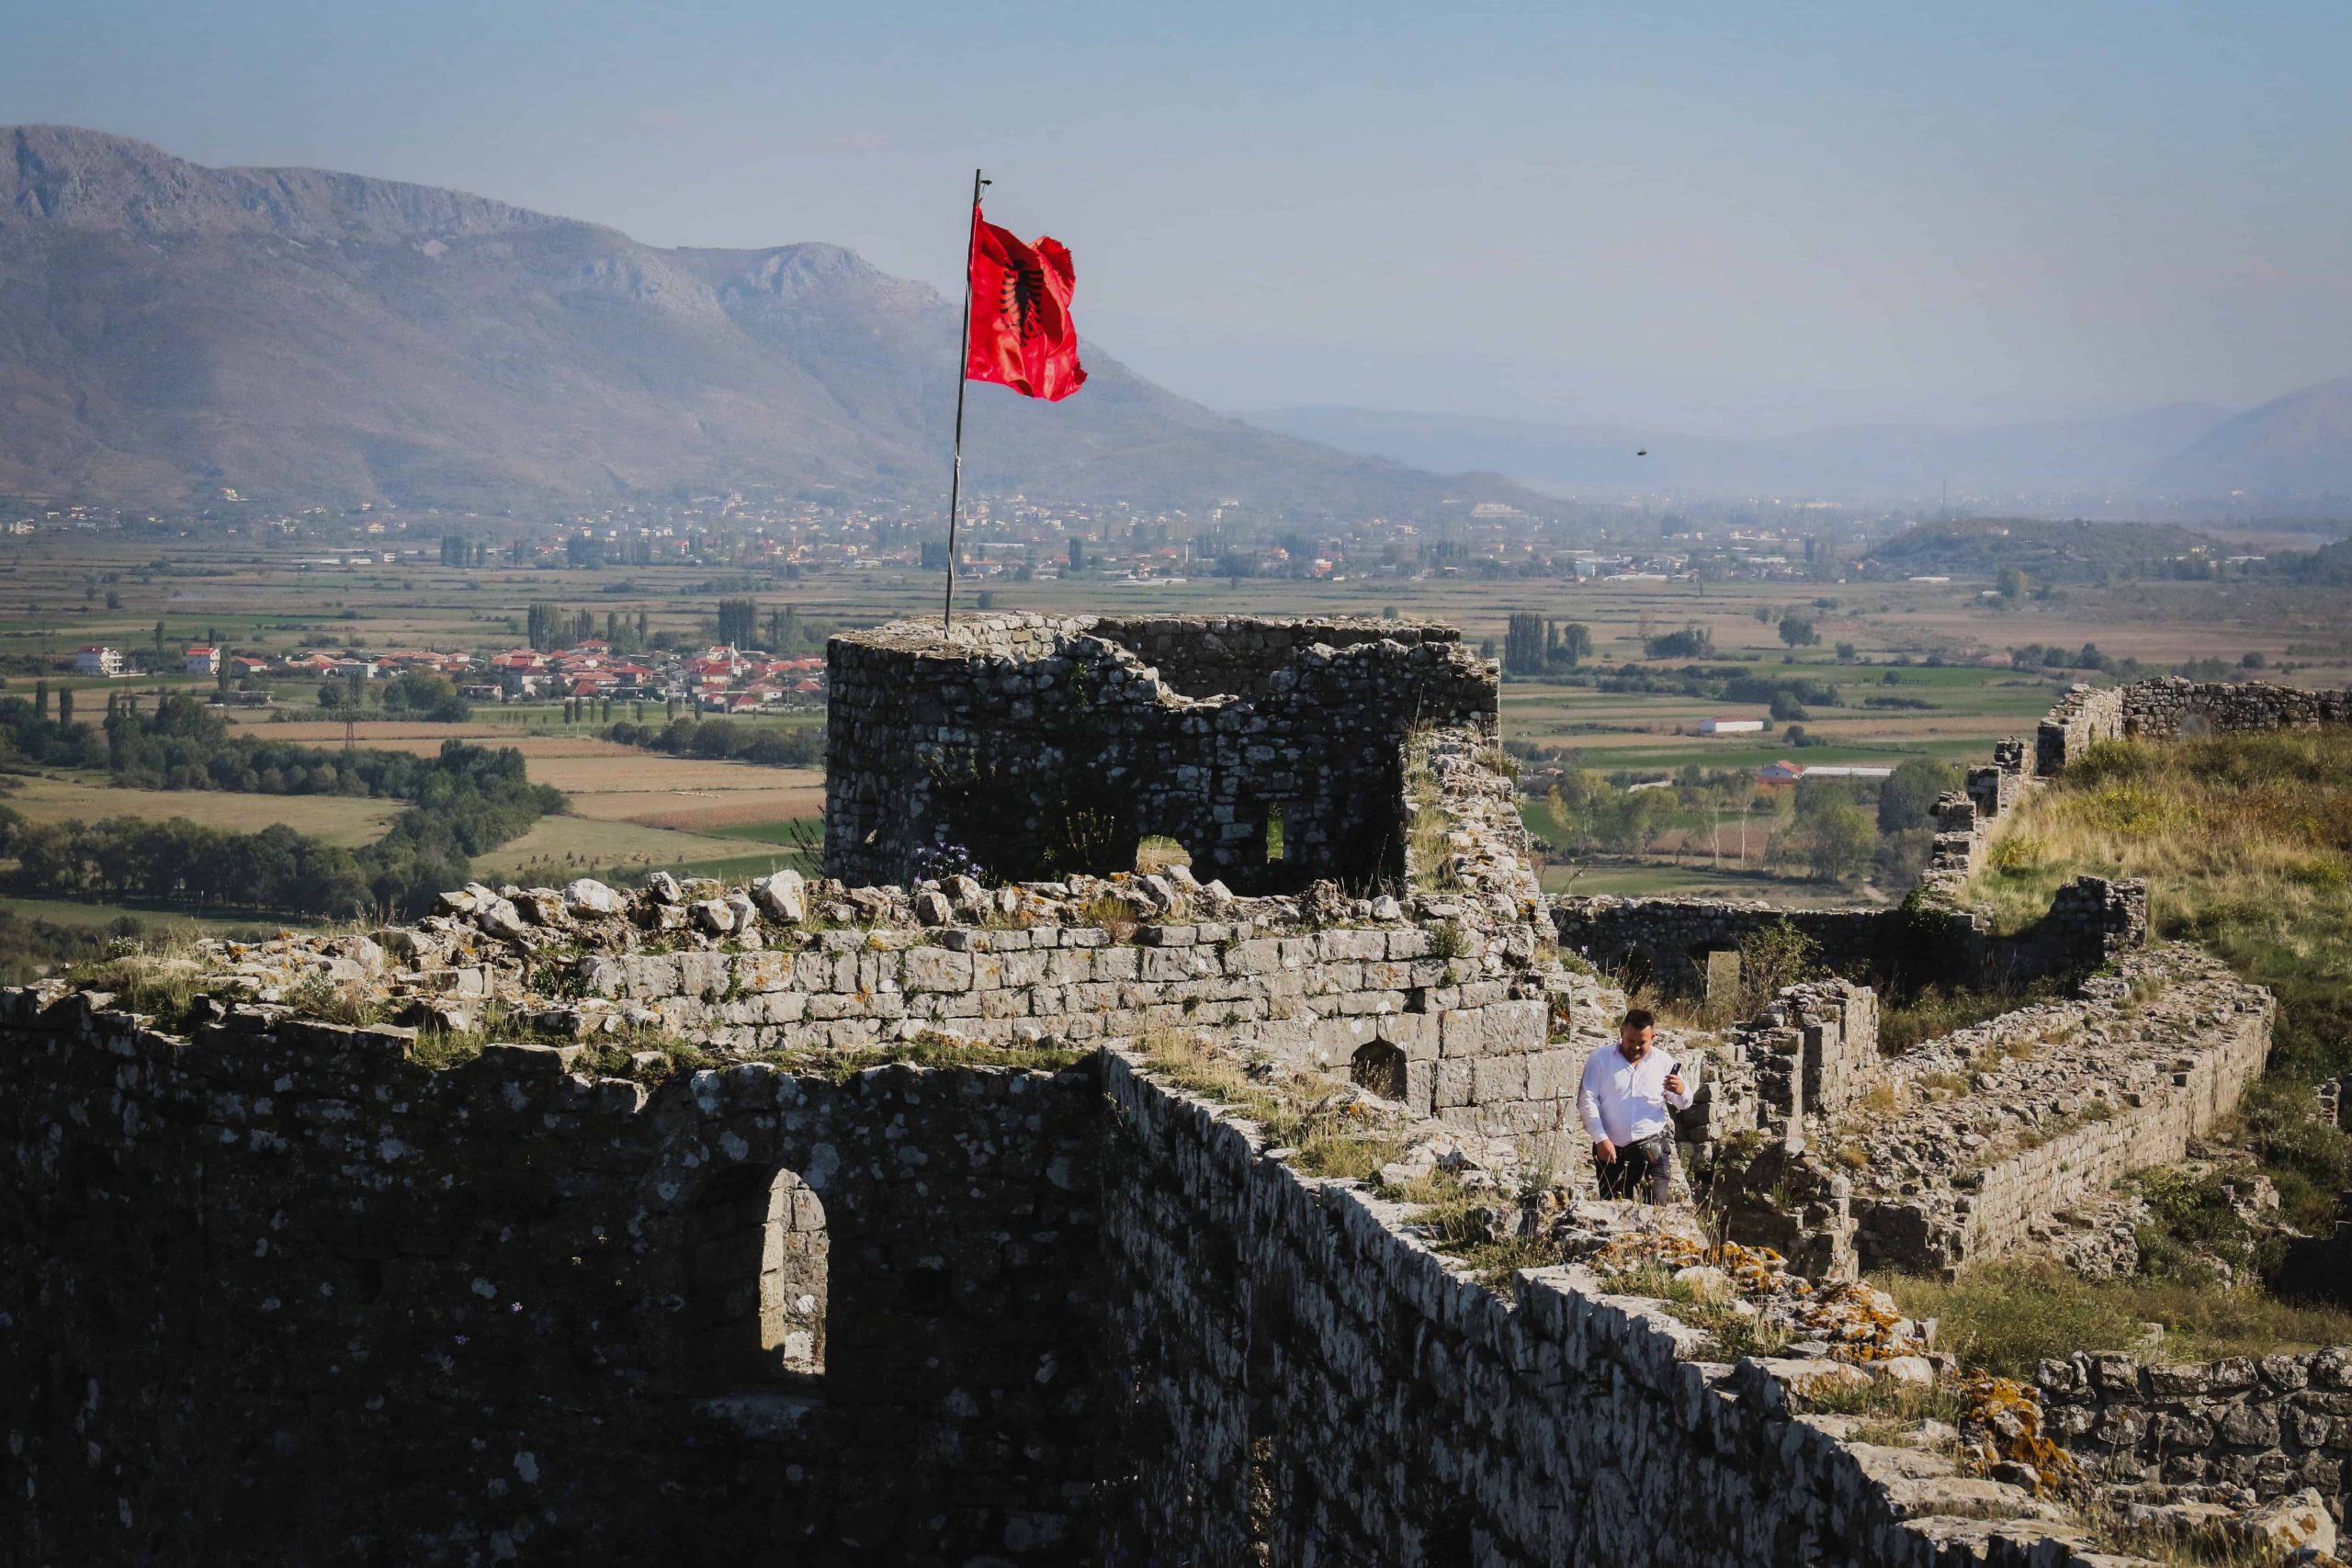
(962, 364)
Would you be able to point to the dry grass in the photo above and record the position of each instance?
(2256, 826)
(597, 767)
(351, 1002)
(159, 980)
(2007, 1316)
(1346, 1142)
(682, 811)
(1154, 855)
(2209, 1548)
(578, 846)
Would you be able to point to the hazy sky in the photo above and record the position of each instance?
(1717, 214)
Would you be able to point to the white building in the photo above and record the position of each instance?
(96, 661)
(1786, 772)
(1731, 727)
(202, 660)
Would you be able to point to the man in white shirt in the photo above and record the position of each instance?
(1623, 1100)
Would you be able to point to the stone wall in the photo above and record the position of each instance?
(1314, 1384)
(2169, 708)
(2085, 716)
(288, 1295)
(281, 1294)
(1041, 747)
(1668, 942)
(1480, 1031)
(2001, 1127)
(1241, 657)
(1315, 996)
(2272, 1425)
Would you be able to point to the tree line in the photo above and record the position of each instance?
(724, 739)
(1834, 829)
(464, 801)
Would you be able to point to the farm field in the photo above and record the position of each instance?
(154, 922)
(559, 848)
(637, 810)
(88, 798)
(268, 597)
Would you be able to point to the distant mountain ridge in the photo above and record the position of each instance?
(2299, 447)
(2296, 450)
(168, 329)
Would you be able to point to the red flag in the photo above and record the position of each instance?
(1022, 333)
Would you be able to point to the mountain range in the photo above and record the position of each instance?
(2295, 450)
(168, 330)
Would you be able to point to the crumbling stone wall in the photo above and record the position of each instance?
(1668, 941)
(1482, 1032)
(1240, 656)
(1812, 1050)
(280, 1294)
(2084, 715)
(1046, 746)
(1313, 1383)
(289, 1296)
(2273, 1426)
(2169, 708)
(1965, 823)
(2004, 1125)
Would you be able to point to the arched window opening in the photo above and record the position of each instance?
(1378, 1067)
(1274, 845)
(758, 1275)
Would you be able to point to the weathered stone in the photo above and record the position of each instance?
(589, 897)
(782, 896)
(2288, 1524)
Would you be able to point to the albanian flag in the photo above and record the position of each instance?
(1022, 333)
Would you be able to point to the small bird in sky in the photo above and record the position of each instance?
(1643, 453)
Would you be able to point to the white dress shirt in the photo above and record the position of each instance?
(1625, 1101)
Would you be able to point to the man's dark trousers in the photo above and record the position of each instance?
(1642, 1169)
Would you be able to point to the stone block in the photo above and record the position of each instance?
(937, 969)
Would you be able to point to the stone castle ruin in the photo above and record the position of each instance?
(870, 1218)
(1274, 752)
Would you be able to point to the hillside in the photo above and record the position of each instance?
(167, 329)
(2047, 552)
(2296, 446)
